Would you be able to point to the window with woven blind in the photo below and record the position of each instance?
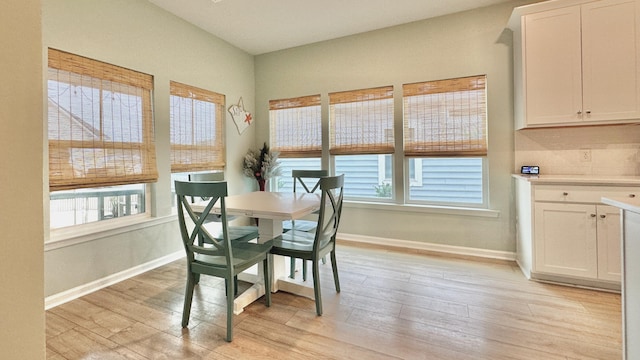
(295, 127)
(100, 124)
(361, 121)
(446, 117)
(196, 128)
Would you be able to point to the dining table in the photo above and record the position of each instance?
(270, 209)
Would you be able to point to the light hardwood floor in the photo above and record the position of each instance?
(393, 305)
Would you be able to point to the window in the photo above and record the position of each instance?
(444, 133)
(196, 119)
(295, 128)
(445, 130)
(100, 132)
(360, 129)
(284, 182)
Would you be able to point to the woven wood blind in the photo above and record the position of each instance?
(446, 117)
(361, 121)
(295, 126)
(196, 119)
(100, 124)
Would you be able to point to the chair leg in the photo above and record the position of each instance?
(267, 280)
(304, 270)
(235, 281)
(292, 270)
(230, 285)
(188, 296)
(334, 266)
(316, 286)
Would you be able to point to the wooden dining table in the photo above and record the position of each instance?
(271, 209)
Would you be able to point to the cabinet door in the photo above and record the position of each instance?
(610, 55)
(609, 238)
(553, 66)
(565, 239)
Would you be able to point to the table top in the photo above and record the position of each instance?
(271, 205)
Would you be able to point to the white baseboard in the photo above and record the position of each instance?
(71, 294)
(439, 248)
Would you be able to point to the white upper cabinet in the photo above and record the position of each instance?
(578, 64)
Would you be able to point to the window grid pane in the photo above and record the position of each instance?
(295, 126)
(449, 180)
(196, 128)
(364, 176)
(100, 124)
(361, 121)
(284, 182)
(445, 117)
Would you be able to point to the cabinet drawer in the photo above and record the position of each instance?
(582, 194)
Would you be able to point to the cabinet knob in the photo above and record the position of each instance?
(579, 112)
(593, 215)
(632, 195)
(588, 112)
(565, 193)
(603, 216)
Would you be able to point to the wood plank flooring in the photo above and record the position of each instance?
(393, 305)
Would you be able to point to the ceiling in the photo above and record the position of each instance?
(261, 26)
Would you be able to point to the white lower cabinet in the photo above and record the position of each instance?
(566, 235)
(581, 240)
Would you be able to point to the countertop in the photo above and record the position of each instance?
(625, 203)
(581, 179)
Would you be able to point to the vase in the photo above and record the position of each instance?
(261, 184)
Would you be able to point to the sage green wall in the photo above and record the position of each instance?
(468, 43)
(21, 182)
(138, 35)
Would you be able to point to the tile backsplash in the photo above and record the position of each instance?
(593, 150)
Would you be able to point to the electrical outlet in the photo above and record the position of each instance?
(585, 155)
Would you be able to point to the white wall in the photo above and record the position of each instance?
(138, 35)
(463, 44)
(21, 182)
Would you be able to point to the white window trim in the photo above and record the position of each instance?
(415, 181)
(73, 235)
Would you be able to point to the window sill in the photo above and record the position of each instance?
(449, 210)
(59, 238)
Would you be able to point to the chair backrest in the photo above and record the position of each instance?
(308, 179)
(332, 188)
(209, 176)
(192, 230)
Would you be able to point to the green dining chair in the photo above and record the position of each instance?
(210, 176)
(217, 255)
(307, 181)
(236, 232)
(314, 246)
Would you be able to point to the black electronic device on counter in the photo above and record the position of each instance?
(530, 170)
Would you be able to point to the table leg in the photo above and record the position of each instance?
(268, 229)
(280, 280)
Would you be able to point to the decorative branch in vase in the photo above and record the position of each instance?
(261, 164)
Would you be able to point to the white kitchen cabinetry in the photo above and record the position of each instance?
(565, 234)
(578, 64)
(581, 240)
